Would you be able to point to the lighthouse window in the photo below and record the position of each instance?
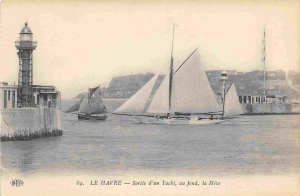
(26, 37)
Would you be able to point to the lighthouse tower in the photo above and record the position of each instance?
(224, 79)
(25, 46)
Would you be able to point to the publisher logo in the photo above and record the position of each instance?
(16, 182)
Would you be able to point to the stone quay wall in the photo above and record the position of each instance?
(29, 123)
(271, 108)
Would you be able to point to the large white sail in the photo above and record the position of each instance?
(137, 103)
(232, 104)
(192, 92)
(160, 101)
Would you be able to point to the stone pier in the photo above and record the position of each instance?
(29, 123)
(270, 108)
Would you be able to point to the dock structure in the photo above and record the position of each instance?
(28, 111)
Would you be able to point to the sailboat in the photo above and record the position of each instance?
(90, 106)
(231, 105)
(184, 96)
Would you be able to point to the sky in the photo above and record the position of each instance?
(84, 44)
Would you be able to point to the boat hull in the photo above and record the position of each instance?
(180, 121)
(190, 122)
(100, 117)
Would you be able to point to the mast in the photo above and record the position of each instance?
(171, 75)
(264, 64)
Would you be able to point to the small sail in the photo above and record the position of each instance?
(137, 103)
(160, 101)
(232, 104)
(75, 106)
(85, 106)
(93, 90)
(96, 102)
(192, 92)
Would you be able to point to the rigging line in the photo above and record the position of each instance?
(186, 60)
(228, 88)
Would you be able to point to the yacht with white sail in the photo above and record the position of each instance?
(189, 98)
(184, 96)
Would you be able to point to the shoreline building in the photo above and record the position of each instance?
(8, 95)
(250, 91)
(28, 111)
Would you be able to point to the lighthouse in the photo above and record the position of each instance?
(25, 46)
(27, 110)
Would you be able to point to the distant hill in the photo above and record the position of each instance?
(123, 86)
(126, 86)
(246, 83)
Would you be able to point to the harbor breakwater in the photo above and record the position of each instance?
(270, 108)
(29, 123)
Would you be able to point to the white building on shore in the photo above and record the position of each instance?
(43, 96)
(8, 95)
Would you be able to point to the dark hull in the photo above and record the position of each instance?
(92, 117)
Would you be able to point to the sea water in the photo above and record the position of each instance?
(240, 146)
